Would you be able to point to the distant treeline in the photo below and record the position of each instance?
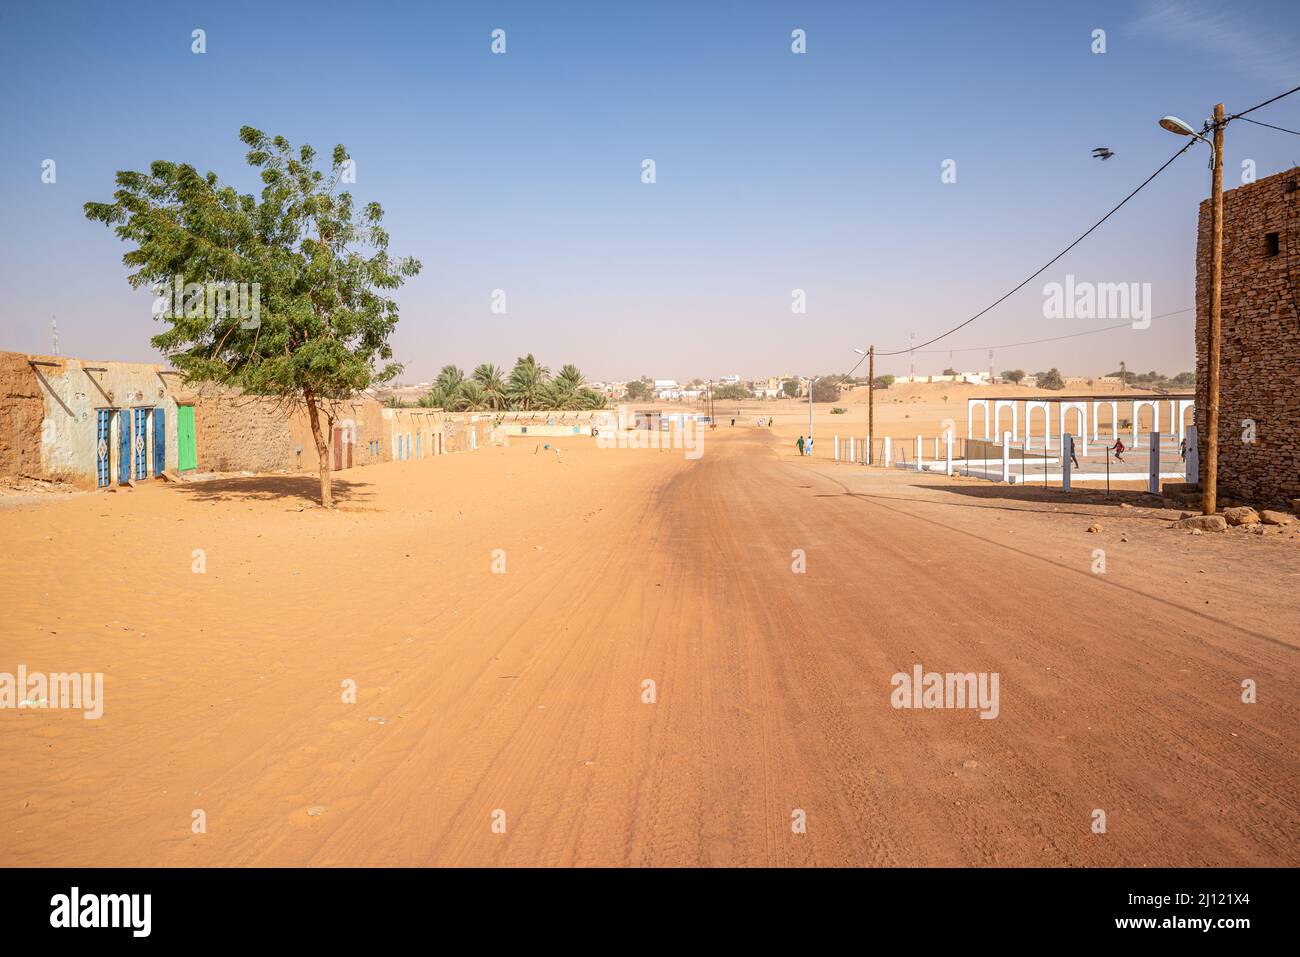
(529, 387)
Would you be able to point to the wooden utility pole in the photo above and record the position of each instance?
(1210, 474)
(871, 404)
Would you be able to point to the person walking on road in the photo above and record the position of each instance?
(799, 445)
(1118, 449)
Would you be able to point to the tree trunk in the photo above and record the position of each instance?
(322, 449)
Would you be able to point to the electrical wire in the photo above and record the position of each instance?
(1074, 335)
(1280, 129)
(1042, 269)
(1086, 233)
(1237, 116)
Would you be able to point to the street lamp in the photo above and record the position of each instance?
(814, 379)
(870, 356)
(1210, 478)
(1181, 127)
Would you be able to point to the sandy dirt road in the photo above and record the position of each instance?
(523, 692)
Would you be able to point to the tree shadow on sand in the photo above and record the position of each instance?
(266, 488)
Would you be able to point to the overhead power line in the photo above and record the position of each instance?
(1031, 342)
(1053, 260)
(1073, 335)
(1280, 129)
(1047, 265)
(1274, 99)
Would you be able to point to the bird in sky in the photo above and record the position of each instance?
(1102, 153)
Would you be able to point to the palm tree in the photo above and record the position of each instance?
(551, 396)
(527, 379)
(488, 376)
(571, 377)
(529, 387)
(472, 397)
(449, 380)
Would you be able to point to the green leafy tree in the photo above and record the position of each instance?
(637, 390)
(790, 387)
(1014, 375)
(882, 382)
(1051, 380)
(320, 267)
(732, 390)
(826, 390)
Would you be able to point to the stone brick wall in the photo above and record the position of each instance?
(361, 418)
(236, 432)
(457, 427)
(1259, 377)
(23, 409)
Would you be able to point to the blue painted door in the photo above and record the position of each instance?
(159, 440)
(124, 445)
(140, 444)
(103, 435)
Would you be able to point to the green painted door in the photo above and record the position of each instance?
(187, 457)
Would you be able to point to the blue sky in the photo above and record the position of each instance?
(775, 171)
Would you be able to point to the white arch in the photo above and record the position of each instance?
(1154, 403)
(1096, 419)
(998, 406)
(1030, 405)
(1062, 410)
(971, 405)
(1183, 406)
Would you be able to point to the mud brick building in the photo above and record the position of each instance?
(101, 424)
(1260, 365)
(93, 424)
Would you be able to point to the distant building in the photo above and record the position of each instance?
(974, 378)
(1259, 404)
